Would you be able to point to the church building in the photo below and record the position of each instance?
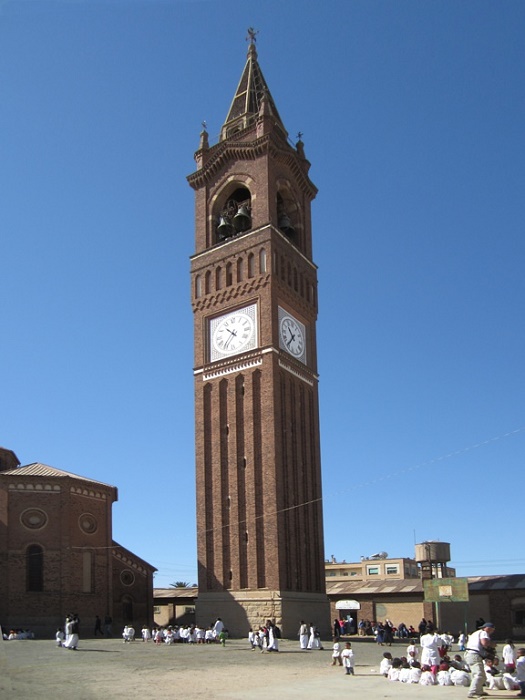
(254, 299)
(57, 555)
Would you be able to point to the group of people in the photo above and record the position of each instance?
(379, 629)
(309, 636)
(344, 657)
(67, 637)
(17, 634)
(344, 627)
(266, 638)
(189, 634)
(431, 663)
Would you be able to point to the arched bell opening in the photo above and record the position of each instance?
(287, 215)
(234, 215)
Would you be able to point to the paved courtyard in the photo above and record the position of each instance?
(110, 669)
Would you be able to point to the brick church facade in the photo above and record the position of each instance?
(254, 299)
(57, 555)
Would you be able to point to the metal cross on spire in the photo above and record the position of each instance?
(252, 35)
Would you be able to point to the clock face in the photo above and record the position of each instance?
(232, 333)
(292, 335)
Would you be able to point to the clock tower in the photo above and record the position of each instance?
(254, 299)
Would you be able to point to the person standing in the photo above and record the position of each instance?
(273, 642)
(303, 635)
(336, 653)
(72, 626)
(347, 655)
(430, 643)
(98, 626)
(217, 628)
(311, 638)
(478, 644)
(509, 656)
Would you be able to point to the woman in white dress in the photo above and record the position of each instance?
(430, 643)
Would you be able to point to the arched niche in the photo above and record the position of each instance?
(232, 212)
(288, 214)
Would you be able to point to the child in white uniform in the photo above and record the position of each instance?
(336, 653)
(347, 656)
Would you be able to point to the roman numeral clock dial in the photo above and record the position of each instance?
(233, 333)
(292, 335)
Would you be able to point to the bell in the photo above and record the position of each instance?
(242, 220)
(286, 225)
(224, 229)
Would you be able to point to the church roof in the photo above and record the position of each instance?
(38, 469)
(249, 97)
(123, 554)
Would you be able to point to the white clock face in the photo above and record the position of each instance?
(292, 335)
(233, 333)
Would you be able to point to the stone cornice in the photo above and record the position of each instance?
(227, 151)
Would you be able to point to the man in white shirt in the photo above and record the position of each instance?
(478, 644)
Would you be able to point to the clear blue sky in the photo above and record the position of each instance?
(413, 117)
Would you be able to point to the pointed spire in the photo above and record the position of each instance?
(252, 97)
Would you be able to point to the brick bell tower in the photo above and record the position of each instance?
(254, 298)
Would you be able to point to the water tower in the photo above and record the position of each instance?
(433, 557)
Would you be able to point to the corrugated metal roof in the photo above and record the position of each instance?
(475, 583)
(38, 469)
(495, 583)
(190, 592)
(377, 588)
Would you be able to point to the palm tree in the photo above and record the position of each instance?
(180, 584)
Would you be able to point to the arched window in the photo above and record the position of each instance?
(34, 568)
(198, 286)
(229, 275)
(251, 266)
(218, 278)
(207, 283)
(262, 261)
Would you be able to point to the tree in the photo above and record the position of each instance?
(180, 584)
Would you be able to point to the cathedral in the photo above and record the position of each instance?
(57, 555)
(254, 300)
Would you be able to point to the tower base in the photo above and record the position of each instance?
(242, 610)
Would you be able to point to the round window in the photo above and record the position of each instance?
(88, 523)
(127, 577)
(33, 518)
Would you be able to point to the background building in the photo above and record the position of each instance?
(356, 591)
(431, 561)
(57, 555)
(373, 568)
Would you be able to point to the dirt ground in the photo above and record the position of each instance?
(110, 669)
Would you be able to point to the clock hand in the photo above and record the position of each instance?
(292, 338)
(232, 335)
